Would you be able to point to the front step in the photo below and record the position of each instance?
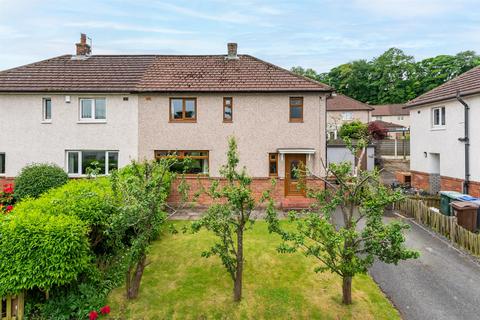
(292, 203)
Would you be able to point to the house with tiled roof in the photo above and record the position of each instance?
(392, 113)
(445, 136)
(342, 109)
(73, 110)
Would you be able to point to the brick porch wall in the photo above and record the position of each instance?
(258, 186)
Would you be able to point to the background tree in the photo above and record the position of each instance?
(393, 77)
(229, 217)
(377, 131)
(346, 242)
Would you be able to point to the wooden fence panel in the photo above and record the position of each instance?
(12, 307)
(442, 224)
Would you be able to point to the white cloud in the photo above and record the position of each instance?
(408, 8)
(124, 27)
(233, 16)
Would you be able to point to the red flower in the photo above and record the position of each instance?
(9, 208)
(105, 310)
(93, 315)
(8, 188)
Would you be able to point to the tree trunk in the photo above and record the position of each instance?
(136, 278)
(347, 290)
(128, 282)
(237, 288)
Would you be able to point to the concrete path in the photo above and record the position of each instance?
(444, 283)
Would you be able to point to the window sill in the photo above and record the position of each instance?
(182, 121)
(227, 121)
(91, 121)
(82, 176)
(46, 122)
(438, 128)
(295, 121)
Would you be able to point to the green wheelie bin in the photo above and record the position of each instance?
(446, 197)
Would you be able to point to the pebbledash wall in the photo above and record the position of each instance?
(139, 126)
(403, 120)
(428, 145)
(25, 138)
(335, 117)
(260, 125)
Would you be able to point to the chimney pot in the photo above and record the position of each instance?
(83, 49)
(232, 50)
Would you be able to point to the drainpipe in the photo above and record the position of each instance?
(466, 140)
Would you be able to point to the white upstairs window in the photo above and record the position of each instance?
(93, 109)
(438, 117)
(346, 116)
(47, 110)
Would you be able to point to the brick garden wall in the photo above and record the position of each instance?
(4, 181)
(258, 186)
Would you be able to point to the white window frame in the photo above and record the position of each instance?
(79, 153)
(92, 111)
(347, 116)
(2, 174)
(44, 110)
(441, 117)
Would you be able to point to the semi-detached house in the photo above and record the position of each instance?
(72, 110)
(445, 136)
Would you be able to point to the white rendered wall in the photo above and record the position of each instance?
(25, 139)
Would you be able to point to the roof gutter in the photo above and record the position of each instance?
(422, 103)
(466, 141)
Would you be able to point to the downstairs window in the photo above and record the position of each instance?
(82, 161)
(190, 161)
(2, 163)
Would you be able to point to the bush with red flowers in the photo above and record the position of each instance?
(6, 198)
(93, 315)
(105, 310)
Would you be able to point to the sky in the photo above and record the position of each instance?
(312, 34)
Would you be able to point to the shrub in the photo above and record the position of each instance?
(36, 179)
(41, 251)
(377, 131)
(353, 130)
(90, 200)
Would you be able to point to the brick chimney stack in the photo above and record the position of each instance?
(83, 49)
(232, 50)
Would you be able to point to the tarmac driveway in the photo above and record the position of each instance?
(444, 283)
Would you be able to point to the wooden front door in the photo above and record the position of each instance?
(292, 176)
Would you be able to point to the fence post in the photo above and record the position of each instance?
(21, 306)
(9, 307)
(396, 147)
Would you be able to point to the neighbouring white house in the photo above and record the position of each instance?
(445, 136)
(73, 110)
(343, 109)
(392, 113)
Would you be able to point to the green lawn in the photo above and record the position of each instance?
(180, 284)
